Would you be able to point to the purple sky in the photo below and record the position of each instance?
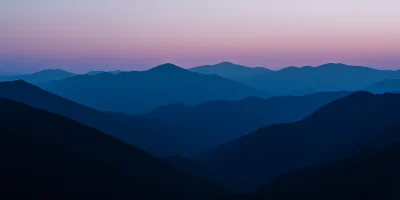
(82, 35)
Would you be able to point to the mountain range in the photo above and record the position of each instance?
(217, 122)
(47, 156)
(174, 133)
(139, 92)
(230, 70)
(332, 132)
(286, 81)
(137, 131)
(369, 174)
(41, 76)
(180, 130)
(303, 80)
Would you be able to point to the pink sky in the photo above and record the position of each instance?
(86, 34)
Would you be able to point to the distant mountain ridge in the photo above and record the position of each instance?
(41, 76)
(327, 77)
(332, 132)
(307, 79)
(100, 72)
(230, 70)
(286, 81)
(138, 92)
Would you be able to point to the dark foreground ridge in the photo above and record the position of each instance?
(47, 156)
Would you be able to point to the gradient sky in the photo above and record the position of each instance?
(81, 35)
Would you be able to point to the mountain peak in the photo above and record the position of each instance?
(17, 86)
(18, 82)
(167, 67)
(225, 63)
(361, 95)
(334, 65)
(53, 71)
(290, 68)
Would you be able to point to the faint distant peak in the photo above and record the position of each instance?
(334, 65)
(295, 69)
(231, 66)
(225, 63)
(168, 67)
(92, 73)
(50, 72)
(53, 71)
(290, 68)
(344, 66)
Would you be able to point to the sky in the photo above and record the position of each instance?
(83, 35)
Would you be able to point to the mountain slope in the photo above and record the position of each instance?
(199, 170)
(392, 85)
(369, 174)
(33, 169)
(100, 72)
(42, 76)
(138, 92)
(93, 154)
(230, 70)
(148, 134)
(328, 77)
(217, 122)
(330, 133)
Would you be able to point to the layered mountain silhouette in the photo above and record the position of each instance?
(332, 132)
(392, 85)
(41, 76)
(100, 72)
(138, 92)
(370, 174)
(47, 156)
(306, 80)
(217, 122)
(199, 170)
(149, 134)
(230, 70)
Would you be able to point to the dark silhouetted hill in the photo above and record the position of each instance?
(230, 70)
(217, 122)
(49, 156)
(199, 170)
(139, 92)
(369, 174)
(41, 76)
(332, 132)
(151, 135)
(328, 77)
